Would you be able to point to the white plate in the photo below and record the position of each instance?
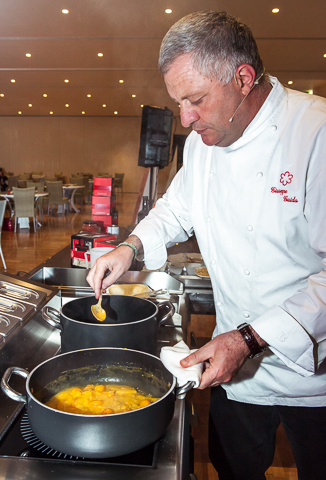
(185, 258)
(199, 275)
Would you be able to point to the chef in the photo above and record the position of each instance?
(253, 190)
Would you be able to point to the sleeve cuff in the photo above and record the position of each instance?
(287, 339)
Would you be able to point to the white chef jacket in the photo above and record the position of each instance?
(257, 208)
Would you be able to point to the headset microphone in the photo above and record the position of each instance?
(254, 84)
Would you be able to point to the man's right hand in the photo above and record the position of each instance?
(117, 262)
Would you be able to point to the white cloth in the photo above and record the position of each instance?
(171, 357)
(258, 210)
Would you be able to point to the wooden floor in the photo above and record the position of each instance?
(25, 250)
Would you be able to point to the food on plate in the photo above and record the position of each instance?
(201, 272)
(128, 289)
(101, 399)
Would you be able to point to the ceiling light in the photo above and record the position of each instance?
(89, 95)
(67, 105)
(66, 80)
(19, 113)
(275, 10)
(142, 106)
(290, 82)
(100, 54)
(103, 105)
(2, 94)
(325, 55)
(115, 113)
(65, 11)
(168, 10)
(28, 54)
(45, 95)
(121, 81)
(83, 113)
(133, 96)
(12, 80)
(30, 105)
(51, 113)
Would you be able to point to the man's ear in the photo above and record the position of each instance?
(245, 77)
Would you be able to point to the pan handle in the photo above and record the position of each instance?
(181, 391)
(6, 388)
(170, 312)
(52, 317)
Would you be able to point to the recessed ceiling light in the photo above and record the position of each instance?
(67, 105)
(115, 113)
(30, 105)
(83, 113)
(103, 105)
(12, 80)
(121, 81)
(133, 96)
(51, 113)
(325, 55)
(100, 54)
(19, 113)
(275, 10)
(142, 106)
(28, 54)
(65, 11)
(89, 95)
(66, 80)
(2, 94)
(45, 95)
(290, 82)
(168, 10)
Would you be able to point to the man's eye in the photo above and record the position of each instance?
(197, 102)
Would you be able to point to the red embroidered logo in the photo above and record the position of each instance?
(289, 199)
(286, 178)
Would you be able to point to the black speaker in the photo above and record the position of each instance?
(155, 137)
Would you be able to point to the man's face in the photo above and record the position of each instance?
(205, 104)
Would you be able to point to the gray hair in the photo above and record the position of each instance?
(217, 42)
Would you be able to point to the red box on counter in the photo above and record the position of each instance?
(103, 186)
(82, 242)
(103, 205)
(107, 219)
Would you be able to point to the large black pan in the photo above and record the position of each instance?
(97, 436)
(131, 322)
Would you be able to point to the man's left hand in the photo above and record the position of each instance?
(223, 357)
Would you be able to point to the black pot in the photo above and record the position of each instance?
(131, 322)
(97, 436)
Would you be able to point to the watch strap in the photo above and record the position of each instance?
(255, 349)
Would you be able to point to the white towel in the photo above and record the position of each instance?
(171, 357)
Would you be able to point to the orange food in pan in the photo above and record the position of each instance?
(99, 400)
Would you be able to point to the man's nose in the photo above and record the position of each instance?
(188, 116)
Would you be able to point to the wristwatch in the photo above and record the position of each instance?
(255, 349)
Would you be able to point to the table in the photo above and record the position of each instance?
(71, 188)
(23, 221)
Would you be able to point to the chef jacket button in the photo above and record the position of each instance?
(259, 174)
(219, 304)
(250, 228)
(211, 174)
(246, 271)
(274, 128)
(213, 262)
(209, 219)
(246, 314)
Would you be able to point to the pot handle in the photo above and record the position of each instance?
(181, 391)
(6, 388)
(170, 313)
(52, 317)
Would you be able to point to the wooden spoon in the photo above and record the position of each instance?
(99, 312)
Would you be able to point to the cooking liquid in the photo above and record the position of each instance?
(99, 400)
